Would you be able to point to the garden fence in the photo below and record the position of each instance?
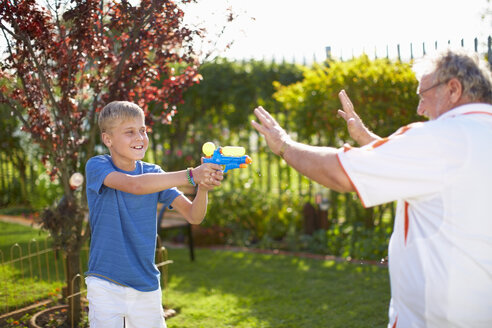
(17, 182)
(27, 265)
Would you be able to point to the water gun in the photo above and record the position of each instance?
(230, 157)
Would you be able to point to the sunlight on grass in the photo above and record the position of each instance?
(223, 289)
(17, 290)
(25, 281)
(247, 290)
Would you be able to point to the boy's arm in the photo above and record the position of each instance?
(195, 211)
(149, 183)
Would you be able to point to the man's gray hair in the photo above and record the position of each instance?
(472, 71)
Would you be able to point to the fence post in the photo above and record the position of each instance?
(489, 50)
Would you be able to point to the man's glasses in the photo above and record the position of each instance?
(430, 88)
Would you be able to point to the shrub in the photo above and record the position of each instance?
(254, 216)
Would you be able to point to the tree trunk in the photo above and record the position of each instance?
(73, 287)
(333, 210)
(369, 218)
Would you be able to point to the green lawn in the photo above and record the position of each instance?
(241, 289)
(24, 282)
(244, 289)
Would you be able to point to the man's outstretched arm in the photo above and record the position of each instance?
(317, 163)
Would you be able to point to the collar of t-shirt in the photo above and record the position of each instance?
(473, 108)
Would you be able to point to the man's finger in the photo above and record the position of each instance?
(259, 113)
(264, 116)
(342, 114)
(260, 128)
(351, 122)
(346, 103)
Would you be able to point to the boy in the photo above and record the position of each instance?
(122, 193)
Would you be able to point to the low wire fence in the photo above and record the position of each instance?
(33, 275)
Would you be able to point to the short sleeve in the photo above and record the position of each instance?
(96, 170)
(166, 197)
(413, 162)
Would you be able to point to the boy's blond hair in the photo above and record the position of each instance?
(117, 110)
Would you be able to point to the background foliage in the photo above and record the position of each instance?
(264, 206)
(62, 62)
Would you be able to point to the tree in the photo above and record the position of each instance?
(67, 60)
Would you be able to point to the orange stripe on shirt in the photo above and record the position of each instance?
(394, 325)
(400, 131)
(406, 222)
(477, 112)
(380, 142)
(350, 180)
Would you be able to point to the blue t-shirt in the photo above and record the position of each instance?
(123, 227)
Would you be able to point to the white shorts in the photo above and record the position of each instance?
(115, 306)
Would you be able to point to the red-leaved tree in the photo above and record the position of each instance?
(68, 59)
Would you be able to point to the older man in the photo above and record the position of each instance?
(440, 172)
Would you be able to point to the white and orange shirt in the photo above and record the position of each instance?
(440, 252)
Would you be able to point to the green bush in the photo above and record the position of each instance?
(383, 93)
(254, 217)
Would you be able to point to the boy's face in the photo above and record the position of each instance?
(127, 141)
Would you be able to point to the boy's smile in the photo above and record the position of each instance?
(127, 141)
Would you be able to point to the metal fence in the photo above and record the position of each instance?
(410, 51)
(17, 182)
(33, 276)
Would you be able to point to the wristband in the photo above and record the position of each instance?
(283, 148)
(189, 175)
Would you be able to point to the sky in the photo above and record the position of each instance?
(302, 29)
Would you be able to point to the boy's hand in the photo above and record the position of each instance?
(208, 175)
(215, 180)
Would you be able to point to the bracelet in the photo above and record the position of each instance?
(189, 175)
(283, 148)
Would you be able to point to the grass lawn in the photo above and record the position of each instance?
(242, 289)
(24, 282)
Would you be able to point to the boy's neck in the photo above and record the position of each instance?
(125, 165)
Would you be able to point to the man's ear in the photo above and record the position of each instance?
(106, 139)
(455, 89)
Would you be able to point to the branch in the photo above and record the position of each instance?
(6, 29)
(23, 82)
(128, 50)
(25, 39)
(12, 106)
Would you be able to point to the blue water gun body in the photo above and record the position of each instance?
(229, 157)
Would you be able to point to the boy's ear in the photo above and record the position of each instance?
(106, 139)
